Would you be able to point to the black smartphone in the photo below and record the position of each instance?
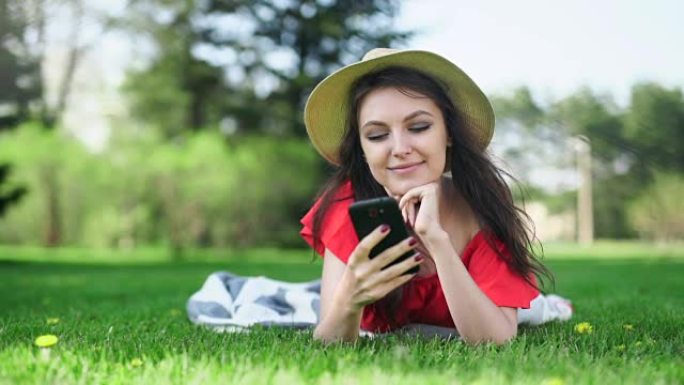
(368, 214)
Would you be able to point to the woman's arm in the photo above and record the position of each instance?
(475, 316)
(346, 289)
(338, 320)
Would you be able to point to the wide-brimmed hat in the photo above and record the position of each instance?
(327, 108)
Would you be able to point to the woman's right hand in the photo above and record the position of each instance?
(365, 281)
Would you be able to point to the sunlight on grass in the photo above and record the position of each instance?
(604, 249)
(150, 255)
(608, 250)
(125, 323)
(68, 366)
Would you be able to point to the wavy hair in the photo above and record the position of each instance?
(474, 176)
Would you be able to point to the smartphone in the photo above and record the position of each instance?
(368, 214)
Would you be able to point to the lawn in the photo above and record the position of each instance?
(125, 323)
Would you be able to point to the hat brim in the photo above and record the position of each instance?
(326, 110)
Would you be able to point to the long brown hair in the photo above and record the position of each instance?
(474, 175)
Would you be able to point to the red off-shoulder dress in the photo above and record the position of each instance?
(423, 300)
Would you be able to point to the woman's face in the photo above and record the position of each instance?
(403, 138)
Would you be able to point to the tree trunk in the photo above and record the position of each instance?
(53, 221)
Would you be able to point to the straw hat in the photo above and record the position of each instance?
(326, 109)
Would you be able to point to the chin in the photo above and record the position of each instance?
(402, 187)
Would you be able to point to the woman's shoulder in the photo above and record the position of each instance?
(336, 231)
(486, 259)
(484, 244)
(341, 198)
(345, 192)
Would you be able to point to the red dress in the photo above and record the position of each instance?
(423, 300)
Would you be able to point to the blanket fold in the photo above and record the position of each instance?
(228, 302)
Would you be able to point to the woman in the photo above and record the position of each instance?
(413, 126)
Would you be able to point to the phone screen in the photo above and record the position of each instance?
(368, 214)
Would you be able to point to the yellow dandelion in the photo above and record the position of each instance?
(136, 362)
(46, 341)
(52, 321)
(553, 381)
(628, 327)
(584, 328)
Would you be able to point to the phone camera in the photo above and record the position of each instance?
(373, 213)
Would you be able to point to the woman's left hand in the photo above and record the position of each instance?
(420, 207)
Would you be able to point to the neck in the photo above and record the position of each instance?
(456, 216)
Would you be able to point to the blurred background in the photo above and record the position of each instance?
(176, 125)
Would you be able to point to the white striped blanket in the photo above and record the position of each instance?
(229, 302)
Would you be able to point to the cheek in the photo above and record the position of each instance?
(377, 168)
(439, 154)
(441, 161)
(376, 160)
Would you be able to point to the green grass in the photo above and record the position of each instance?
(113, 313)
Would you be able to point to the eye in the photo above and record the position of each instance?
(420, 127)
(376, 137)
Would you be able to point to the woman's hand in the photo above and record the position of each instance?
(420, 207)
(365, 281)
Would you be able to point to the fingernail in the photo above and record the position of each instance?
(418, 258)
(384, 228)
(413, 242)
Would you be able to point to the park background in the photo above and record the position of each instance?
(146, 143)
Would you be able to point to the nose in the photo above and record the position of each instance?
(401, 145)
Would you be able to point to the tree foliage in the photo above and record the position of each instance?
(23, 78)
(654, 127)
(629, 145)
(28, 89)
(657, 211)
(13, 195)
(149, 191)
(21, 85)
(247, 66)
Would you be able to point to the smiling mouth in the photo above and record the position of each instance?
(406, 168)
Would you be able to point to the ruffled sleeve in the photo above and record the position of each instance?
(337, 231)
(493, 276)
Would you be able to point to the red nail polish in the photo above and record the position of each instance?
(418, 258)
(384, 228)
(413, 242)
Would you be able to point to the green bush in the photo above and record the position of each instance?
(658, 212)
(201, 191)
(52, 167)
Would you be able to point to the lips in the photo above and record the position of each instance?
(406, 167)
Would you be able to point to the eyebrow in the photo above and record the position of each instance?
(408, 117)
